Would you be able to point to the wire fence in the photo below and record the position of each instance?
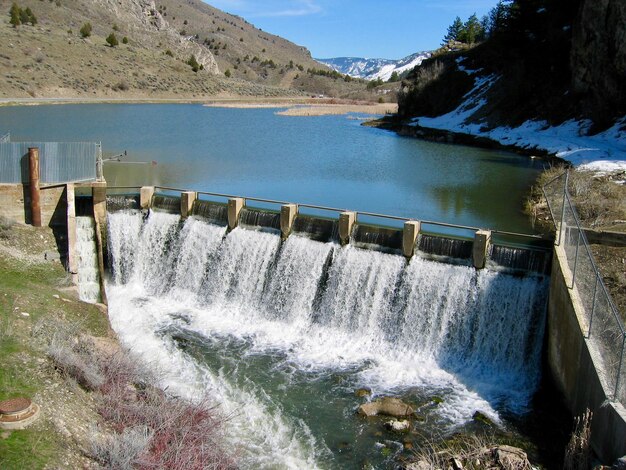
(604, 325)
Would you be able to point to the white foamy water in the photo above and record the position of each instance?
(473, 335)
(88, 275)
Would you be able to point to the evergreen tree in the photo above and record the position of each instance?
(394, 76)
(32, 19)
(498, 18)
(454, 31)
(472, 30)
(15, 15)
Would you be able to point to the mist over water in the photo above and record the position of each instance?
(280, 334)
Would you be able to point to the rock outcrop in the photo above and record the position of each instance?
(387, 406)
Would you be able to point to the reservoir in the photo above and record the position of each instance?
(326, 160)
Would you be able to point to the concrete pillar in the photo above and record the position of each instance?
(346, 222)
(482, 240)
(33, 178)
(99, 198)
(187, 199)
(234, 208)
(409, 235)
(145, 197)
(288, 214)
(72, 256)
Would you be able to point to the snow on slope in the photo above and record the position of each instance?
(605, 151)
(371, 69)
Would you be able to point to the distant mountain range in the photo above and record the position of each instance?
(371, 69)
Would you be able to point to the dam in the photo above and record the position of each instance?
(282, 316)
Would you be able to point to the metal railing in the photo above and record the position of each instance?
(338, 210)
(605, 328)
(5, 137)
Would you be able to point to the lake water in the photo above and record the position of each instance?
(327, 160)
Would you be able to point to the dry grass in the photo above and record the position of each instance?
(578, 450)
(143, 426)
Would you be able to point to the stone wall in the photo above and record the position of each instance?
(574, 365)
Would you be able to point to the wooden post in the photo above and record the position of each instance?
(33, 176)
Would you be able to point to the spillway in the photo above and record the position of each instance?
(281, 333)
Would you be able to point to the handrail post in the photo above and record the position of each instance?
(576, 258)
(561, 228)
(593, 303)
(619, 368)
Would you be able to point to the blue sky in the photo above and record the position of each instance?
(389, 29)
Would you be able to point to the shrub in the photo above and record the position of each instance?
(194, 64)
(112, 40)
(115, 27)
(227, 73)
(85, 30)
(124, 40)
(169, 53)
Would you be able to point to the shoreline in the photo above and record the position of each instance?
(459, 138)
(296, 106)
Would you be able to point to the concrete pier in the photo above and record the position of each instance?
(72, 256)
(99, 197)
(288, 214)
(145, 196)
(234, 208)
(187, 199)
(482, 240)
(409, 235)
(346, 223)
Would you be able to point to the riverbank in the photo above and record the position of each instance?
(97, 405)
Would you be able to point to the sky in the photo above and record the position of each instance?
(390, 29)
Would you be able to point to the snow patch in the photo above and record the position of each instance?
(603, 152)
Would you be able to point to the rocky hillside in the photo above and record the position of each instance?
(58, 57)
(556, 60)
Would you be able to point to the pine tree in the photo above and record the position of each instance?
(454, 31)
(32, 19)
(15, 15)
(498, 18)
(472, 30)
(394, 76)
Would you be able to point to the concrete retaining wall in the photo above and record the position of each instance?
(571, 358)
(15, 204)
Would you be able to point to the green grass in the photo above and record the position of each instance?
(31, 289)
(32, 448)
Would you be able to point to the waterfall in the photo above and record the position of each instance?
(263, 306)
(88, 275)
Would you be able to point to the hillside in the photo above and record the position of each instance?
(54, 59)
(555, 61)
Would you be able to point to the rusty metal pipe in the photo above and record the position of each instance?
(33, 177)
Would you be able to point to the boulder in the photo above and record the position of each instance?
(387, 406)
(511, 458)
(363, 392)
(398, 425)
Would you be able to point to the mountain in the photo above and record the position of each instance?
(371, 69)
(157, 39)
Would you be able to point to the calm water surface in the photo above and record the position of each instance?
(326, 160)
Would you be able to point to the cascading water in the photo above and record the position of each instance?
(281, 333)
(88, 276)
